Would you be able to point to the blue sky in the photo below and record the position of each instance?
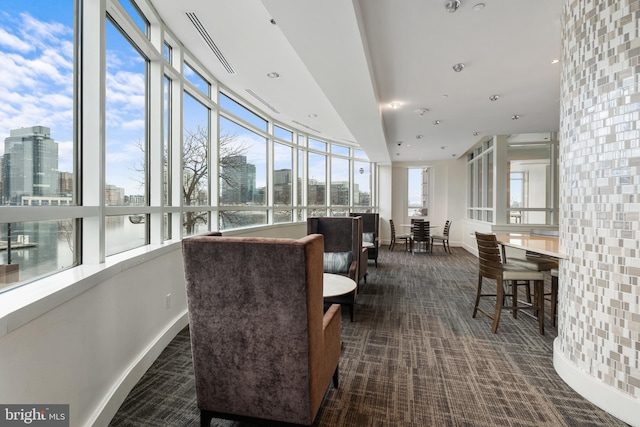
(36, 85)
(36, 70)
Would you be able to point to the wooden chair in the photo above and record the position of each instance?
(404, 237)
(421, 234)
(444, 238)
(370, 232)
(491, 267)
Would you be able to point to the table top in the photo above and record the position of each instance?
(336, 284)
(544, 245)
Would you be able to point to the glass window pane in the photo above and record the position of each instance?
(166, 185)
(317, 180)
(125, 122)
(339, 150)
(359, 154)
(36, 121)
(243, 173)
(168, 53)
(124, 232)
(245, 114)
(339, 182)
(301, 140)
(418, 191)
(299, 198)
(280, 215)
(195, 176)
(284, 134)
(362, 183)
(282, 175)
(34, 249)
(194, 222)
(317, 145)
(529, 182)
(137, 16)
(194, 77)
(237, 219)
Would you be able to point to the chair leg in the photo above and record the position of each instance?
(498, 309)
(351, 310)
(539, 290)
(335, 377)
(475, 307)
(205, 418)
(554, 299)
(514, 298)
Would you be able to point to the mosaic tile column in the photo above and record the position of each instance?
(598, 345)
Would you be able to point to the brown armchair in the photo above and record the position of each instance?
(262, 346)
(342, 235)
(370, 233)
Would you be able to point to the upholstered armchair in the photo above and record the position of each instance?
(343, 249)
(263, 347)
(370, 233)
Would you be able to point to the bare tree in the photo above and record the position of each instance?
(195, 173)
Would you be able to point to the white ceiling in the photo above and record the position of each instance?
(347, 60)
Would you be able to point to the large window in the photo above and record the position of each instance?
(418, 191)
(481, 182)
(37, 138)
(529, 187)
(162, 152)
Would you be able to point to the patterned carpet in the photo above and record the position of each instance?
(413, 357)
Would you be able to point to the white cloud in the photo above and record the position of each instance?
(11, 42)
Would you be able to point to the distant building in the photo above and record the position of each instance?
(29, 165)
(238, 183)
(66, 184)
(114, 196)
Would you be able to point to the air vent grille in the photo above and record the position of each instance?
(209, 41)
(259, 98)
(308, 127)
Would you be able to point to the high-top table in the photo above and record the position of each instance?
(543, 245)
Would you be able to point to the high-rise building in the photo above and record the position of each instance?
(66, 184)
(29, 165)
(238, 183)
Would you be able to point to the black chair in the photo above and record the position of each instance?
(421, 234)
(444, 238)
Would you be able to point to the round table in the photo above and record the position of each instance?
(336, 285)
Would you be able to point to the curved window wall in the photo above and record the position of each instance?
(157, 151)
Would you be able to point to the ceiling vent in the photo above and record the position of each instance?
(209, 41)
(308, 127)
(259, 98)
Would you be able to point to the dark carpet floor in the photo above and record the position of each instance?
(413, 357)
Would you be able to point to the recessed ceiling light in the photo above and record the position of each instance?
(494, 97)
(313, 116)
(421, 111)
(453, 155)
(419, 136)
(555, 61)
(395, 105)
(478, 7)
(445, 96)
(273, 21)
(458, 67)
(436, 122)
(442, 148)
(273, 75)
(476, 133)
(515, 117)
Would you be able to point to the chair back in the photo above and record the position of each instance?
(421, 231)
(489, 256)
(370, 221)
(447, 225)
(393, 230)
(255, 310)
(341, 233)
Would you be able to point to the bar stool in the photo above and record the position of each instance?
(492, 267)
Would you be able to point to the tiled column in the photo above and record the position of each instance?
(598, 345)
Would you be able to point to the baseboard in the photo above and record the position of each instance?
(615, 402)
(113, 400)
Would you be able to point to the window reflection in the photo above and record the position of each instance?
(29, 250)
(125, 232)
